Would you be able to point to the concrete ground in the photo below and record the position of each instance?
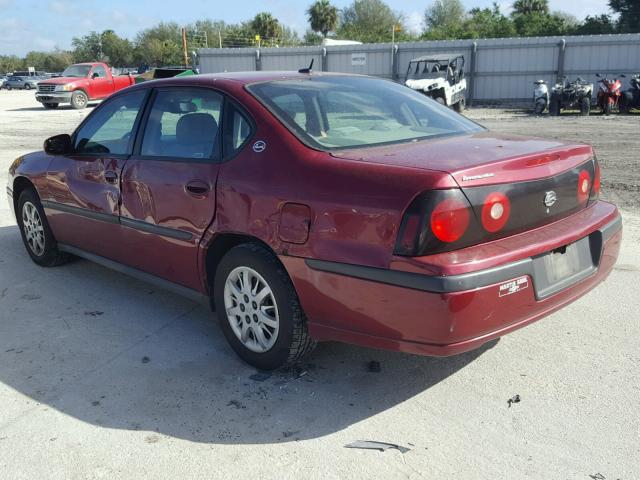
(103, 376)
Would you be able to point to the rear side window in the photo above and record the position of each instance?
(183, 123)
(109, 129)
(237, 128)
(99, 69)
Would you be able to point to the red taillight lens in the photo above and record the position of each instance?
(449, 220)
(495, 211)
(584, 186)
(596, 180)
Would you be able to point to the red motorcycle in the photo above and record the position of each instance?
(608, 93)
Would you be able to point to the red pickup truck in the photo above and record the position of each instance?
(80, 84)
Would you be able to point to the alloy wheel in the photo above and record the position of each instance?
(33, 228)
(251, 309)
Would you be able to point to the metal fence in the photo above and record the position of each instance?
(498, 70)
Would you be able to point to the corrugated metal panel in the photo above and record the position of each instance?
(505, 67)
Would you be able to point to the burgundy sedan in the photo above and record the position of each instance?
(306, 207)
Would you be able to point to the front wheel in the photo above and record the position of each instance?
(459, 106)
(585, 106)
(79, 100)
(258, 308)
(36, 234)
(27, 87)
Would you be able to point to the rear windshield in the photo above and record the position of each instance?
(344, 112)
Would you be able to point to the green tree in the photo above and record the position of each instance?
(488, 23)
(629, 11)
(323, 17)
(596, 25)
(526, 7)
(10, 63)
(444, 14)
(87, 48)
(369, 21)
(160, 45)
(116, 51)
(540, 24)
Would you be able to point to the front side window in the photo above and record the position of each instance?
(109, 129)
(329, 112)
(183, 123)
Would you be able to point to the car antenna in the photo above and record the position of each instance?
(308, 69)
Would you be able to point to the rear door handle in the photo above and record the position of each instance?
(197, 187)
(111, 176)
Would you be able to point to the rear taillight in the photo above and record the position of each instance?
(450, 219)
(436, 221)
(584, 186)
(595, 187)
(495, 211)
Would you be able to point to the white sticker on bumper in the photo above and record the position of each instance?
(513, 286)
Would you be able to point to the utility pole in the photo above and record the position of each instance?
(206, 40)
(220, 38)
(184, 47)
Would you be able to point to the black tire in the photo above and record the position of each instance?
(626, 102)
(50, 256)
(539, 108)
(293, 340)
(27, 86)
(440, 100)
(585, 106)
(606, 108)
(50, 106)
(554, 106)
(79, 100)
(459, 106)
(8, 87)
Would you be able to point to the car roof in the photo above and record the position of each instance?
(244, 78)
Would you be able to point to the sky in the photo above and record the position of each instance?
(44, 25)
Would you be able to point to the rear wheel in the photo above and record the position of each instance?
(79, 100)
(258, 308)
(606, 108)
(36, 234)
(50, 105)
(27, 86)
(459, 106)
(585, 106)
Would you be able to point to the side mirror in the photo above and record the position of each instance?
(598, 75)
(58, 144)
(94, 75)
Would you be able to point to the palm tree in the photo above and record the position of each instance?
(525, 7)
(266, 26)
(323, 17)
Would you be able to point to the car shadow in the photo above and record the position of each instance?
(115, 352)
(41, 108)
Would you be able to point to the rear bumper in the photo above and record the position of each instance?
(54, 97)
(459, 308)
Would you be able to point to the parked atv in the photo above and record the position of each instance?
(567, 94)
(540, 97)
(440, 77)
(631, 98)
(608, 93)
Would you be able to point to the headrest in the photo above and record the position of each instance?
(196, 128)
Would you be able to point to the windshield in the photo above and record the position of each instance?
(77, 71)
(343, 112)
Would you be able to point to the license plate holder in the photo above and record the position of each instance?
(562, 267)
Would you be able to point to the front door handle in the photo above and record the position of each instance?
(110, 176)
(197, 187)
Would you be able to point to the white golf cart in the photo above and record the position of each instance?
(440, 77)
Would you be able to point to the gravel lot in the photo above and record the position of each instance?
(103, 376)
